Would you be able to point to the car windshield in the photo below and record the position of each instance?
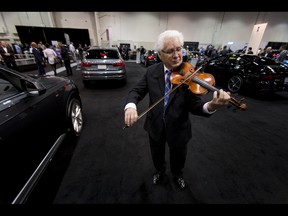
(152, 52)
(236, 60)
(102, 54)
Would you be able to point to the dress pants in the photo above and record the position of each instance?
(177, 155)
(68, 67)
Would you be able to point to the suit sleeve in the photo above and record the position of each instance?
(139, 91)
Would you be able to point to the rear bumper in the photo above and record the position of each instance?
(103, 75)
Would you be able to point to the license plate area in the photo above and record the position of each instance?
(102, 67)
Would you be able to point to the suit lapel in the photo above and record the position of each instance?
(2, 49)
(159, 75)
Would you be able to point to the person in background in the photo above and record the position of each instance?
(72, 51)
(80, 52)
(57, 49)
(85, 48)
(208, 50)
(41, 47)
(184, 54)
(18, 48)
(125, 52)
(250, 51)
(26, 48)
(202, 50)
(51, 56)
(169, 123)
(224, 51)
(7, 53)
(259, 51)
(66, 58)
(267, 52)
(283, 53)
(214, 53)
(142, 52)
(39, 59)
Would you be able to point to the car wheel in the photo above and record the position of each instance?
(234, 84)
(75, 117)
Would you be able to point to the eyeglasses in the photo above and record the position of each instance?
(171, 51)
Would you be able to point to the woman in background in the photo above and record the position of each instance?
(57, 49)
(50, 54)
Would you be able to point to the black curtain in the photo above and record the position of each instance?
(27, 34)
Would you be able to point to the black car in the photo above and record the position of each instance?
(36, 115)
(238, 72)
(150, 57)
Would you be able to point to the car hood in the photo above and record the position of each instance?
(50, 81)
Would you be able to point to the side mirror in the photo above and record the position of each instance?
(33, 88)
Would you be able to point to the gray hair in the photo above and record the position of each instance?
(159, 45)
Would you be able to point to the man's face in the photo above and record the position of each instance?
(3, 43)
(171, 55)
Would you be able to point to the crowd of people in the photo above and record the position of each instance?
(202, 54)
(52, 54)
(44, 54)
(278, 54)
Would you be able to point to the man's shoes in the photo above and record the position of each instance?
(157, 177)
(180, 182)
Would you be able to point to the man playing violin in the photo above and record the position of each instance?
(170, 124)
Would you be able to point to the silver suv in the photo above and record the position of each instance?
(102, 63)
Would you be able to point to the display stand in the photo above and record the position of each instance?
(138, 57)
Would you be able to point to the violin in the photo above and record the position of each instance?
(198, 82)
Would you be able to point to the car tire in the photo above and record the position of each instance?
(234, 84)
(75, 117)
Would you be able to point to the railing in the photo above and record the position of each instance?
(24, 56)
(24, 59)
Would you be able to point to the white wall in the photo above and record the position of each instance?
(2, 24)
(202, 27)
(9, 20)
(142, 28)
(277, 27)
(80, 20)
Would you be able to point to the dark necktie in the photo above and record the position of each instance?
(167, 87)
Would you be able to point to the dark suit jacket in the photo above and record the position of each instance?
(38, 57)
(269, 55)
(65, 53)
(181, 102)
(7, 58)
